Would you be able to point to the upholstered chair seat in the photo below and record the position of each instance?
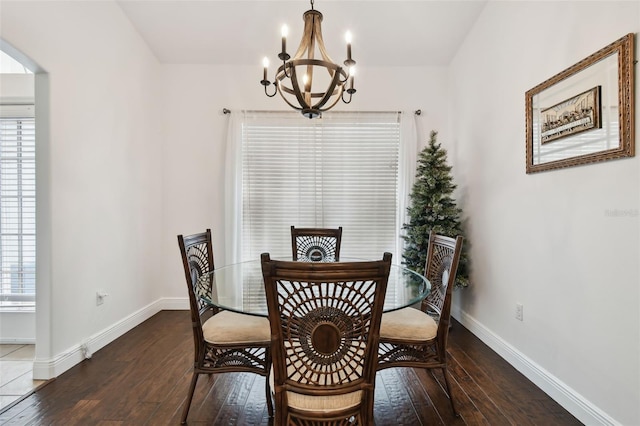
(231, 328)
(408, 324)
(321, 404)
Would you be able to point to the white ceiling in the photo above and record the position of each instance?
(242, 32)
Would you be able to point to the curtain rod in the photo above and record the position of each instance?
(226, 111)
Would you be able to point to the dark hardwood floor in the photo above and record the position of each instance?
(142, 379)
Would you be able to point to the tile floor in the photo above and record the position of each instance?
(16, 373)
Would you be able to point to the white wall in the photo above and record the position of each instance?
(100, 217)
(195, 153)
(545, 240)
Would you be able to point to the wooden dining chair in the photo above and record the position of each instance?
(417, 338)
(224, 341)
(325, 322)
(316, 244)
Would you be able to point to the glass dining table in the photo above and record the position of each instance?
(239, 287)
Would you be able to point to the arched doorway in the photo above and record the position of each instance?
(19, 336)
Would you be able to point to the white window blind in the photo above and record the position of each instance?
(17, 206)
(341, 170)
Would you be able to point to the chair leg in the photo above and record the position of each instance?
(267, 386)
(187, 405)
(445, 373)
(269, 398)
(367, 417)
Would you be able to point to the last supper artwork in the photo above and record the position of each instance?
(571, 116)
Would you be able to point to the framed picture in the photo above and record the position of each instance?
(585, 113)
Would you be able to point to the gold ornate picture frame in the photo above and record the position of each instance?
(585, 113)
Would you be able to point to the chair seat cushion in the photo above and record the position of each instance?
(229, 328)
(408, 324)
(323, 404)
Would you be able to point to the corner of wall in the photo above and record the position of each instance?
(48, 368)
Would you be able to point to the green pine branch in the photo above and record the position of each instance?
(433, 208)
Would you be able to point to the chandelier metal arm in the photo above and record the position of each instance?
(275, 90)
(267, 83)
(350, 92)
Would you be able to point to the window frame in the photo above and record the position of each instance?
(21, 166)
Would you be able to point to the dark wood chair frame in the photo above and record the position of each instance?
(324, 310)
(197, 259)
(325, 241)
(443, 255)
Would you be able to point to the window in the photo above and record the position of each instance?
(341, 170)
(8, 65)
(17, 206)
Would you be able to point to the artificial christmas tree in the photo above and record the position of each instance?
(433, 208)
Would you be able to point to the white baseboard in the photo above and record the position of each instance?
(175, 303)
(584, 410)
(44, 369)
(17, 341)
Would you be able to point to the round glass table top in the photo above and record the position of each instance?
(239, 287)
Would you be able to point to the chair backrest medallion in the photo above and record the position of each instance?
(316, 244)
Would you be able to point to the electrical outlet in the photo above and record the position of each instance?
(519, 309)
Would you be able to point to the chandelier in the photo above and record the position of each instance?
(307, 84)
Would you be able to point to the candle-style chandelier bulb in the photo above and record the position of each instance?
(299, 76)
